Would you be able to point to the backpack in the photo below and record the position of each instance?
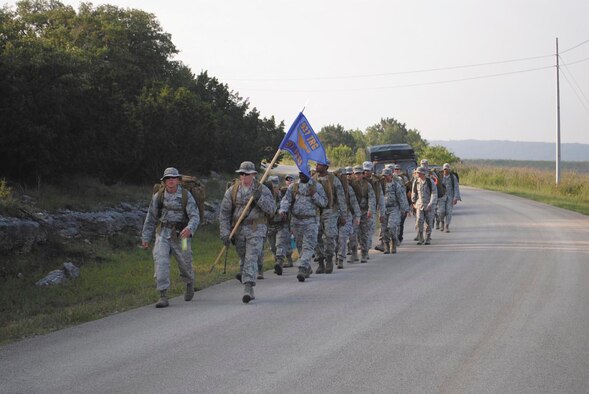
(440, 188)
(189, 184)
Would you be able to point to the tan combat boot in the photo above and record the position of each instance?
(340, 263)
(420, 238)
(387, 248)
(441, 228)
(163, 301)
(329, 265)
(189, 292)
(248, 293)
(321, 268)
(289, 262)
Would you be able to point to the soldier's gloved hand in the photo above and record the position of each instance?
(225, 239)
(257, 192)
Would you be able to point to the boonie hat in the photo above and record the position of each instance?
(170, 172)
(389, 165)
(367, 166)
(289, 176)
(397, 167)
(421, 170)
(387, 171)
(423, 162)
(274, 179)
(446, 166)
(247, 167)
(357, 169)
(349, 171)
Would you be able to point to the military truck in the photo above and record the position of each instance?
(402, 154)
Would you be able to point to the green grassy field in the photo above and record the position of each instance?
(536, 184)
(114, 278)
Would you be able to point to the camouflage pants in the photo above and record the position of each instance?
(445, 205)
(168, 244)
(392, 226)
(327, 234)
(345, 232)
(363, 235)
(305, 233)
(279, 239)
(249, 244)
(425, 218)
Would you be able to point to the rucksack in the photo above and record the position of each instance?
(440, 188)
(189, 184)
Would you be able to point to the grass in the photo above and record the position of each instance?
(113, 279)
(571, 193)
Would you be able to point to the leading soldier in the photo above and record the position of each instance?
(173, 216)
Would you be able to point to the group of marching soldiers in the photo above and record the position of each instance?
(329, 216)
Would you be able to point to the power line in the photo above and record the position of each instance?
(412, 85)
(576, 46)
(574, 80)
(391, 73)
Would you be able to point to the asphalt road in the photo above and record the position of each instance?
(499, 305)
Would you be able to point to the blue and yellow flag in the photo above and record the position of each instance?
(303, 144)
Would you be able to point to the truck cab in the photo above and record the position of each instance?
(402, 154)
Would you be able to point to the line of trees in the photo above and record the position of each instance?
(96, 92)
(345, 147)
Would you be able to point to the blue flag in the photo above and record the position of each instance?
(302, 143)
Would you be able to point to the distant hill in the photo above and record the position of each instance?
(514, 150)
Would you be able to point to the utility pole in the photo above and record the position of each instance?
(557, 117)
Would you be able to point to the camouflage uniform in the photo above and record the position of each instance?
(446, 203)
(167, 240)
(328, 225)
(303, 206)
(346, 231)
(395, 202)
(278, 234)
(367, 202)
(425, 200)
(249, 238)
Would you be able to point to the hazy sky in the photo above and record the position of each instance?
(354, 62)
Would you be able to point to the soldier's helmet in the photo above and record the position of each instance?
(367, 166)
(446, 166)
(387, 171)
(357, 169)
(421, 170)
(247, 167)
(349, 171)
(274, 179)
(170, 172)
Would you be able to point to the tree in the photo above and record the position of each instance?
(439, 155)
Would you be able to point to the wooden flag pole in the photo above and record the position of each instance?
(246, 210)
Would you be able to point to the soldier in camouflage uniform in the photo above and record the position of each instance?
(331, 216)
(424, 197)
(288, 180)
(451, 198)
(174, 226)
(395, 202)
(374, 180)
(303, 199)
(367, 202)
(353, 215)
(278, 229)
(249, 238)
(398, 172)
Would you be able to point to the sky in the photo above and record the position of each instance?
(452, 69)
